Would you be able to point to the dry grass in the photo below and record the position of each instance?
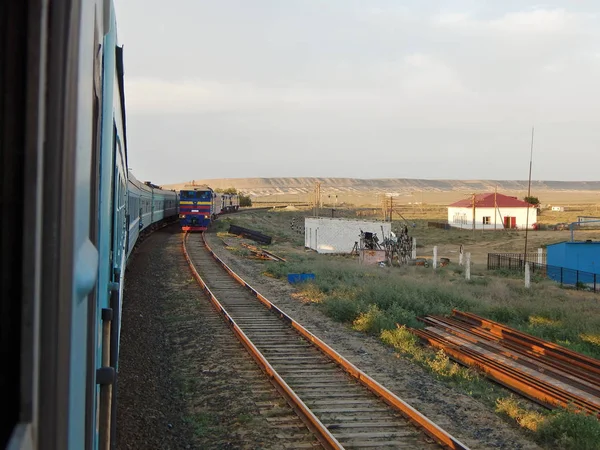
(591, 338)
(309, 293)
(437, 362)
(571, 200)
(513, 408)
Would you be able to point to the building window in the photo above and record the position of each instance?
(487, 220)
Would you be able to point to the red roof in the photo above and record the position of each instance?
(487, 201)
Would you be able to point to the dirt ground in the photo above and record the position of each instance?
(464, 417)
(429, 197)
(478, 243)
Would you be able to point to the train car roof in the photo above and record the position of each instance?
(196, 188)
(137, 183)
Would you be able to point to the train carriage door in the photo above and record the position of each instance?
(68, 256)
(119, 200)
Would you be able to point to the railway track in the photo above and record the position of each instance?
(341, 405)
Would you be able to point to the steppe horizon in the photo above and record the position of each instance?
(369, 191)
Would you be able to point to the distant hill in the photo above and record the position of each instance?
(272, 186)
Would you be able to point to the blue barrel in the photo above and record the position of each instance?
(294, 278)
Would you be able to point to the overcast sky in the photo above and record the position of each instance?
(367, 89)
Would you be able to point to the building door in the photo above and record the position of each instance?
(510, 222)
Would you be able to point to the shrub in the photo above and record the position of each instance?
(342, 309)
(400, 315)
(373, 321)
(569, 430)
(443, 367)
(245, 200)
(402, 340)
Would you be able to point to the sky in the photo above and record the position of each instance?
(363, 89)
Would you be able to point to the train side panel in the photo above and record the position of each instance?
(218, 203)
(139, 210)
(84, 213)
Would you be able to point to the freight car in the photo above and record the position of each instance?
(71, 213)
(231, 203)
(224, 203)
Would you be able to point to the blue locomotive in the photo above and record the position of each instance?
(200, 205)
(196, 208)
(71, 214)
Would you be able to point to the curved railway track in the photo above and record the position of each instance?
(341, 405)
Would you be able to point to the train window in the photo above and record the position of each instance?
(202, 196)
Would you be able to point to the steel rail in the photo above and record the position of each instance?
(535, 344)
(555, 375)
(314, 424)
(588, 381)
(513, 378)
(433, 430)
(497, 372)
(260, 251)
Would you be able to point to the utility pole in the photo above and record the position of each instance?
(473, 214)
(528, 195)
(335, 199)
(495, 206)
(317, 199)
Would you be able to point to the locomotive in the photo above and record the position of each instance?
(71, 214)
(196, 208)
(200, 205)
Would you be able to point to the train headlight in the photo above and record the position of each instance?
(182, 216)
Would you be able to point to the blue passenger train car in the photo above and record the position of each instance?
(148, 204)
(196, 208)
(70, 215)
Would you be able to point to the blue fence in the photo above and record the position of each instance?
(566, 277)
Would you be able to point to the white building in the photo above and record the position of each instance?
(331, 235)
(492, 212)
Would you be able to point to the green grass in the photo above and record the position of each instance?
(347, 291)
(245, 418)
(570, 431)
(203, 423)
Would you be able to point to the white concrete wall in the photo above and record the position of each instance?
(463, 217)
(327, 235)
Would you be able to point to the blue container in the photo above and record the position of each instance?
(294, 278)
